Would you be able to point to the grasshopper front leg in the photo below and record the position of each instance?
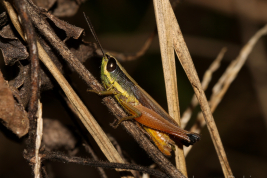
(109, 91)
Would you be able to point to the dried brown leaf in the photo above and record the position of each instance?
(12, 48)
(70, 30)
(12, 114)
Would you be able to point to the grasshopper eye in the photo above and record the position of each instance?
(112, 65)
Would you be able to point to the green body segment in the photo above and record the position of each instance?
(119, 82)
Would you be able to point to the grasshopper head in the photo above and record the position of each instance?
(108, 66)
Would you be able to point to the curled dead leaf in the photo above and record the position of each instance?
(13, 116)
(70, 30)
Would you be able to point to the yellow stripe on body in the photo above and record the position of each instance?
(124, 95)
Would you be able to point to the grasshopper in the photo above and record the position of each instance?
(140, 106)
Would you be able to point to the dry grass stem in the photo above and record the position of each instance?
(164, 25)
(187, 63)
(39, 135)
(85, 116)
(205, 83)
(226, 79)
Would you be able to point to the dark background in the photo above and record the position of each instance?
(123, 26)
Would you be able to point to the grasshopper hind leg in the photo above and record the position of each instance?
(130, 109)
(115, 124)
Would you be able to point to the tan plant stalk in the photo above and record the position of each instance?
(39, 134)
(164, 25)
(187, 63)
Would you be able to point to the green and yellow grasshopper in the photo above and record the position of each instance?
(139, 105)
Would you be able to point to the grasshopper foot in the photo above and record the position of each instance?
(115, 124)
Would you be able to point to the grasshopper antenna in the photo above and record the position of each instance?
(93, 31)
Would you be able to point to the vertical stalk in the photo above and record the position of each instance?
(164, 25)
